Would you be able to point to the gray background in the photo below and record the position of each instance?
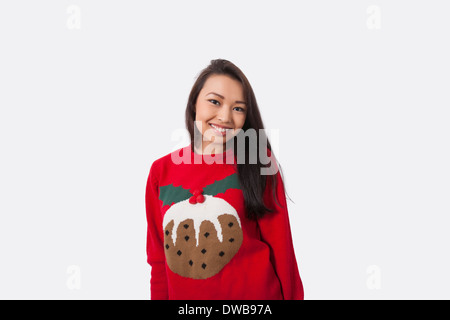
(359, 94)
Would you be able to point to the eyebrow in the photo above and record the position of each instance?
(219, 95)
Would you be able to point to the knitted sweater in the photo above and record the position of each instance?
(200, 243)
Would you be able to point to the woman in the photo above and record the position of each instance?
(218, 226)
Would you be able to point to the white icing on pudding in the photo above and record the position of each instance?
(209, 210)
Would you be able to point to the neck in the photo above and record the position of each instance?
(210, 148)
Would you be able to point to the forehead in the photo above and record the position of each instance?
(225, 86)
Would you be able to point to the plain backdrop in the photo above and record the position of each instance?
(91, 93)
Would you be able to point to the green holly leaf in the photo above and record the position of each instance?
(169, 194)
(220, 186)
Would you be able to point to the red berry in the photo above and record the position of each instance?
(192, 200)
(200, 198)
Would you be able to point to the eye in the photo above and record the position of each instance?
(242, 109)
(213, 102)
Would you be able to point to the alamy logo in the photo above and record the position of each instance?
(254, 144)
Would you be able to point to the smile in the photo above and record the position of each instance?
(220, 130)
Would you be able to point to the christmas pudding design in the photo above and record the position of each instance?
(201, 233)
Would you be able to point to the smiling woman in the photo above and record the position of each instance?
(211, 222)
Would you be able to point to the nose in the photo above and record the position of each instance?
(224, 114)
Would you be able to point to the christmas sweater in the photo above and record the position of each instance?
(200, 243)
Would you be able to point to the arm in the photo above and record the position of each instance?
(276, 232)
(155, 240)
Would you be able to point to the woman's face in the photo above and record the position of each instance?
(220, 110)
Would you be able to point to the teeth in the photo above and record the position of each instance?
(219, 129)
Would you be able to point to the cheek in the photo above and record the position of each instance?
(202, 113)
(202, 117)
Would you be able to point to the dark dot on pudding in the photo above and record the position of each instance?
(206, 234)
(204, 266)
(186, 238)
(230, 224)
(203, 251)
(221, 253)
(231, 239)
(179, 252)
(191, 263)
(186, 226)
(167, 232)
(167, 246)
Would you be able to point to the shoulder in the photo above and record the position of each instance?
(165, 161)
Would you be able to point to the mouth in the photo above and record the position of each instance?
(219, 130)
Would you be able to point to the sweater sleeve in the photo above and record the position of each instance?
(276, 232)
(155, 240)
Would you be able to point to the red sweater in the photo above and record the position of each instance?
(201, 245)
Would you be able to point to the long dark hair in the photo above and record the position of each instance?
(253, 184)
